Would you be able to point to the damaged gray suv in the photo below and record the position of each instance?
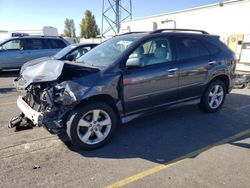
(126, 76)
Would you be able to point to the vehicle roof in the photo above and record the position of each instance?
(34, 36)
(176, 33)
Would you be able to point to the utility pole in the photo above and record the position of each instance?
(114, 12)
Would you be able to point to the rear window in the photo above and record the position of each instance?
(56, 43)
(190, 48)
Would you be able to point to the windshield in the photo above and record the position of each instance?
(108, 52)
(64, 51)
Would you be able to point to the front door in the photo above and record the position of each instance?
(12, 54)
(156, 82)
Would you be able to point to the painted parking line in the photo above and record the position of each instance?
(159, 168)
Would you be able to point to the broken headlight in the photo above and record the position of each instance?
(68, 92)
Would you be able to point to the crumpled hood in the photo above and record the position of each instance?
(34, 62)
(45, 71)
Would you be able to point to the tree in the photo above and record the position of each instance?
(89, 28)
(70, 30)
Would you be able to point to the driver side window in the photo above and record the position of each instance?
(153, 52)
(13, 45)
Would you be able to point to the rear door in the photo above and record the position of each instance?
(194, 60)
(35, 48)
(154, 84)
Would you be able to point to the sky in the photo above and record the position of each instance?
(34, 14)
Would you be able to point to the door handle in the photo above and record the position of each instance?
(212, 62)
(172, 70)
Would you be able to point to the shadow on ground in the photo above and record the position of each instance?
(171, 134)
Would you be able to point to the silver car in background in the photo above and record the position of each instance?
(16, 51)
(70, 53)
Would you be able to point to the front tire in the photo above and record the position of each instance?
(91, 126)
(213, 97)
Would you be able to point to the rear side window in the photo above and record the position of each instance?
(190, 48)
(211, 47)
(55, 43)
(46, 44)
(33, 44)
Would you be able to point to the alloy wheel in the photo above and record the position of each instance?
(94, 126)
(216, 96)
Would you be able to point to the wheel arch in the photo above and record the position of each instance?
(224, 78)
(109, 100)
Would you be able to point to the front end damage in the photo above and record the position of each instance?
(46, 97)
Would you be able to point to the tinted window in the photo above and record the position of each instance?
(55, 43)
(153, 52)
(33, 44)
(211, 47)
(190, 48)
(46, 44)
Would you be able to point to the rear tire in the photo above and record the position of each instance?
(213, 97)
(91, 126)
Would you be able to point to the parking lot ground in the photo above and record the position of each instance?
(182, 147)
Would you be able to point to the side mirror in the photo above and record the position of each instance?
(70, 57)
(134, 62)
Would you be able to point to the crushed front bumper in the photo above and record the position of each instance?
(53, 125)
(34, 116)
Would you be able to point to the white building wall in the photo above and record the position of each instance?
(231, 18)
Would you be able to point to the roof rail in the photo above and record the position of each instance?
(193, 30)
(30, 36)
(133, 32)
